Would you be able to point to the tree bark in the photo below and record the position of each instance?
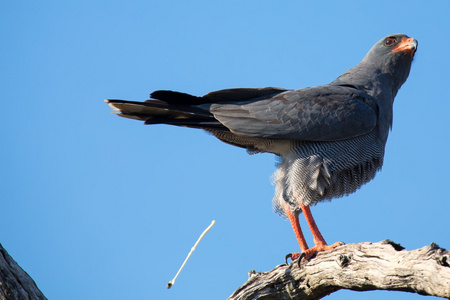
(15, 283)
(359, 267)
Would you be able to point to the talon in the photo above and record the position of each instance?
(300, 259)
(292, 256)
(289, 255)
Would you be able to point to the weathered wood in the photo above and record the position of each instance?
(15, 283)
(359, 267)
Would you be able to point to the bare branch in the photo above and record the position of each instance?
(15, 283)
(358, 267)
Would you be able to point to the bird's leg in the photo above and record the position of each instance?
(293, 218)
(317, 236)
(319, 241)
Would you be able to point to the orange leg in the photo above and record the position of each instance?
(319, 241)
(317, 236)
(297, 229)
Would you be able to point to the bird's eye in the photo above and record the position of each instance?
(390, 41)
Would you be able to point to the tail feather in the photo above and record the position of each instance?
(181, 109)
(194, 123)
(161, 112)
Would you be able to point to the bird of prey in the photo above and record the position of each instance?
(330, 138)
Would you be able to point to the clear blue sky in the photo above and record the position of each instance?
(98, 207)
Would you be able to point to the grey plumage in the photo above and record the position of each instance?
(330, 138)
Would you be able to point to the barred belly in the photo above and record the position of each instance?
(316, 171)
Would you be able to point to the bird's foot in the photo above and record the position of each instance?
(309, 253)
(320, 247)
(293, 256)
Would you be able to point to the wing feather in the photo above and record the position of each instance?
(324, 113)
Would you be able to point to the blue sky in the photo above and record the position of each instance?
(98, 207)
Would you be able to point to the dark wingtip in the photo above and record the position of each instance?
(174, 97)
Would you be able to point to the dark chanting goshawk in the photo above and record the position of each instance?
(330, 138)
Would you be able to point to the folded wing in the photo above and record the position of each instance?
(325, 113)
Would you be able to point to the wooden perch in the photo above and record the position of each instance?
(359, 267)
(15, 283)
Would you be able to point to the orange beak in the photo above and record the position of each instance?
(406, 44)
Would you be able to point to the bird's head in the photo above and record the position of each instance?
(393, 56)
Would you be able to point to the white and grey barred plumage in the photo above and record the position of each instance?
(318, 171)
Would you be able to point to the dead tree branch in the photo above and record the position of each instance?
(15, 283)
(359, 267)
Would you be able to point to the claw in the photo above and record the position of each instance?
(289, 255)
(294, 256)
(300, 259)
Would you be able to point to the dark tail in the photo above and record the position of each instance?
(181, 109)
(162, 112)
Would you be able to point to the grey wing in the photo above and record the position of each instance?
(312, 114)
